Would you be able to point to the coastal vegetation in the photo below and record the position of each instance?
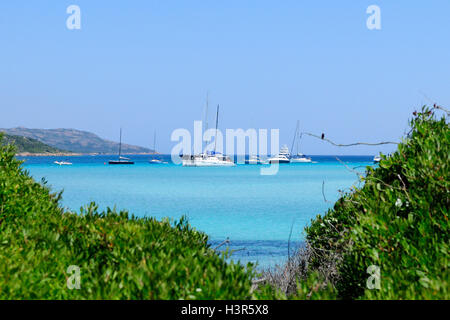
(387, 239)
(29, 145)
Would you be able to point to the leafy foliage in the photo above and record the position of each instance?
(24, 144)
(397, 221)
(120, 256)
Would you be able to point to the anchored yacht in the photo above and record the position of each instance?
(155, 160)
(282, 157)
(255, 160)
(208, 159)
(212, 159)
(299, 157)
(121, 160)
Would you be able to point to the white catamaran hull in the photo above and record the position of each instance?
(300, 160)
(207, 163)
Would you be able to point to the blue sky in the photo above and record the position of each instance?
(147, 65)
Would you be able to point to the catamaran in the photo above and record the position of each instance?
(208, 159)
(121, 160)
(299, 157)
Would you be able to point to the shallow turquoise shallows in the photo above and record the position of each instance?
(255, 212)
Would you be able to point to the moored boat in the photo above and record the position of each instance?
(121, 160)
(282, 157)
(254, 160)
(208, 159)
(299, 157)
(63, 163)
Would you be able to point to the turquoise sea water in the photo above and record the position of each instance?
(255, 212)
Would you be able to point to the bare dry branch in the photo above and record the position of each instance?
(350, 144)
(323, 192)
(227, 241)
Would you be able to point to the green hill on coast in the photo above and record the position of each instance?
(75, 140)
(30, 145)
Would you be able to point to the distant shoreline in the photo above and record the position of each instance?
(72, 154)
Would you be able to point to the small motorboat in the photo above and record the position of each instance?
(63, 163)
(155, 161)
(254, 160)
(376, 159)
(282, 157)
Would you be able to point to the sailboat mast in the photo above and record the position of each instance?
(206, 117)
(295, 135)
(217, 123)
(154, 142)
(120, 143)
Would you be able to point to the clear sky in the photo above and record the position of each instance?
(147, 65)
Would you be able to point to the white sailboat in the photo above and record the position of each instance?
(155, 160)
(299, 157)
(208, 159)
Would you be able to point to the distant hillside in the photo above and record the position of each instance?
(29, 145)
(75, 140)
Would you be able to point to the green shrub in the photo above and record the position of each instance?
(397, 221)
(25, 144)
(119, 256)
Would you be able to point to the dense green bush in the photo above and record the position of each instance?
(397, 221)
(119, 256)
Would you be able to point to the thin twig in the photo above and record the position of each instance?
(323, 192)
(435, 105)
(350, 169)
(222, 243)
(404, 187)
(350, 144)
